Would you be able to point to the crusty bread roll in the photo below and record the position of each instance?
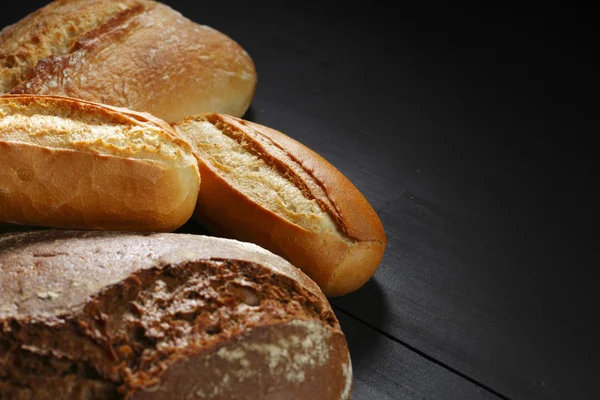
(138, 54)
(67, 163)
(106, 315)
(260, 186)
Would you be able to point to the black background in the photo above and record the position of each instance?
(471, 132)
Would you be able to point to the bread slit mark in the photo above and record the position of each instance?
(310, 184)
(115, 22)
(61, 128)
(67, 26)
(230, 153)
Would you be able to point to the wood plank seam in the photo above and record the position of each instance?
(426, 356)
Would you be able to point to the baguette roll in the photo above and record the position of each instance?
(137, 54)
(261, 186)
(67, 163)
(108, 315)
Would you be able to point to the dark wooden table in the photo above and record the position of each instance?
(469, 132)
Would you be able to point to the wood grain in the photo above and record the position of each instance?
(468, 132)
(488, 268)
(385, 369)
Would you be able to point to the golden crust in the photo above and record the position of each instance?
(110, 113)
(339, 263)
(145, 57)
(358, 219)
(51, 31)
(84, 189)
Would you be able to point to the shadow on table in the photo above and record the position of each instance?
(370, 301)
(10, 228)
(364, 337)
(250, 114)
(190, 227)
(193, 227)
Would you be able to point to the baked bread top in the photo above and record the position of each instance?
(56, 122)
(138, 54)
(261, 186)
(50, 273)
(68, 163)
(162, 316)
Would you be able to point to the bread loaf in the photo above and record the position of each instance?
(261, 186)
(138, 54)
(106, 315)
(67, 163)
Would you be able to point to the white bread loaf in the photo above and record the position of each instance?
(137, 54)
(67, 163)
(261, 186)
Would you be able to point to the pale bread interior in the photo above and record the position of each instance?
(61, 127)
(249, 173)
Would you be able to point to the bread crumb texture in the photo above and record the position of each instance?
(288, 357)
(65, 124)
(229, 153)
(155, 330)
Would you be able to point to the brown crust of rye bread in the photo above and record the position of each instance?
(96, 315)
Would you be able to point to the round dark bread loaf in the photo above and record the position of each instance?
(103, 315)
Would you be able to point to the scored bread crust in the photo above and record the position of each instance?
(25, 43)
(162, 316)
(99, 187)
(138, 54)
(339, 262)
